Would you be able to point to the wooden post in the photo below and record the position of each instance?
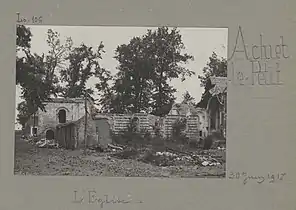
(85, 122)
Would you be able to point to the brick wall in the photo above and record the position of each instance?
(119, 122)
(192, 126)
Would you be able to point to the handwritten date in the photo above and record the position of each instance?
(270, 177)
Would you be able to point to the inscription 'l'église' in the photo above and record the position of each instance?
(264, 59)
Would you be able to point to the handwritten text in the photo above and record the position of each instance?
(91, 197)
(246, 178)
(264, 61)
(31, 20)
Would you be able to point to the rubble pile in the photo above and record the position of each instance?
(129, 153)
(42, 143)
(118, 160)
(45, 143)
(170, 157)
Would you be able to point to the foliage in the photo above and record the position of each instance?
(215, 67)
(24, 112)
(157, 130)
(146, 65)
(36, 73)
(56, 59)
(178, 128)
(63, 71)
(208, 142)
(23, 37)
(146, 134)
(165, 49)
(30, 72)
(30, 76)
(84, 63)
(217, 135)
(104, 91)
(188, 99)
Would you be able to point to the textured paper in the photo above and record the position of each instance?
(261, 119)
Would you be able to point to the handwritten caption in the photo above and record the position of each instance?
(246, 178)
(30, 20)
(263, 61)
(91, 197)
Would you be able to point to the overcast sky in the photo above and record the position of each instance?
(199, 42)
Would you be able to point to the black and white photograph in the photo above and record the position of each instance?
(120, 101)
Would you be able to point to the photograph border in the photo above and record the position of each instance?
(196, 192)
(206, 159)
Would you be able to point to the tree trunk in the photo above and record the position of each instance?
(159, 105)
(139, 101)
(85, 123)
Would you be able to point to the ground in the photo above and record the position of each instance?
(31, 160)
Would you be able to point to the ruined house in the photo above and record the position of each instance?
(69, 121)
(120, 122)
(217, 105)
(217, 114)
(58, 110)
(74, 123)
(196, 128)
(196, 120)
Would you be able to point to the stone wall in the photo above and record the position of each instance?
(71, 135)
(103, 132)
(192, 126)
(66, 135)
(91, 136)
(120, 122)
(49, 119)
(147, 122)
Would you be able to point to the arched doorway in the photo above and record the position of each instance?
(49, 135)
(62, 116)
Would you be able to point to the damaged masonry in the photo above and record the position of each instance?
(149, 106)
(75, 123)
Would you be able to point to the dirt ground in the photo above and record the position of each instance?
(31, 160)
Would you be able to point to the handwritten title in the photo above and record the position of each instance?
(264, 61)
(91, 197)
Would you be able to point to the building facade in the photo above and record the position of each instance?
(197, 120)
(58, 111)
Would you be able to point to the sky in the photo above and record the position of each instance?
(199, 42)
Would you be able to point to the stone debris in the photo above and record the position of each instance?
(136, 163)
(205, 163)
(118, 160)
(167, 158)
(165, 154)
(45, 143)
(148, 155)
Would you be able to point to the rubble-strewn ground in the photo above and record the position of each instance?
(31, 160)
